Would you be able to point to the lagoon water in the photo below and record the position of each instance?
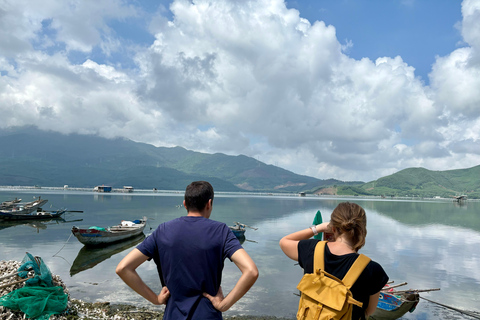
(429, 244)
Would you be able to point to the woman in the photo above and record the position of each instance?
(348, 224)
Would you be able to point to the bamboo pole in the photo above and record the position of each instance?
(413, 290)
(475, 315)
(394, 286)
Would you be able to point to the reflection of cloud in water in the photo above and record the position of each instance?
(431, 256)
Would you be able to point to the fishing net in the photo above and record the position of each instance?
(39, 298)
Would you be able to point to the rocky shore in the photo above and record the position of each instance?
(77, 309)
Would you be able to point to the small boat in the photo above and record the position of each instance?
(23, 209)
(393, 304)
(36, 215)
(238, 229)
(97, 236)
(9, 203)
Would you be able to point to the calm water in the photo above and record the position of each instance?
(430, 244)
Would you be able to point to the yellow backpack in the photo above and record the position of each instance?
(325, 297)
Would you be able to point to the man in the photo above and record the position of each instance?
(189, 253)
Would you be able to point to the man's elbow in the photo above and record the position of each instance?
(120, 270)
(253, 273)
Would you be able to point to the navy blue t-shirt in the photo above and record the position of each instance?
(189, 252)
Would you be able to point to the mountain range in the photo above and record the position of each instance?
(33, 157)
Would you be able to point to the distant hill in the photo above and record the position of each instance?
(33, 157)
(420, 182)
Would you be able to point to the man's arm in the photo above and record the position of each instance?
(126, 270)
(249, 275)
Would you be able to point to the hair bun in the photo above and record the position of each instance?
(349, 225)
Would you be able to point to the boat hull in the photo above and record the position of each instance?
(39, 215)
(98, 238)
(392, 307)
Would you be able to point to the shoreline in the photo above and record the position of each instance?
(78, 309)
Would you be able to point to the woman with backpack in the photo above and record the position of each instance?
(335, 258)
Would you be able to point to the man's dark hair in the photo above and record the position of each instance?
(197, 195)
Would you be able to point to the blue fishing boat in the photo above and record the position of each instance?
(238, 229)
(394, 305)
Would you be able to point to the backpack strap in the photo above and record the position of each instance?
(353, 273)
(356, 270)
(319, 256)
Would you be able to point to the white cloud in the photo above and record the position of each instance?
(250, 77)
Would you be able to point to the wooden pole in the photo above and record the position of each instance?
(475, 315)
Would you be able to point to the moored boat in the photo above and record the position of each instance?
(238, 229)
(35, 215)
(97, 236)
(393, 306)
(19, 208)
(9, 203)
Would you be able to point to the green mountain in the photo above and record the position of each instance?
(33, 157)
(420, 182)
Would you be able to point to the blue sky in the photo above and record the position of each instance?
(416, 30)
(351, 90)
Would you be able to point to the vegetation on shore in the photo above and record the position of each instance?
(418, 182)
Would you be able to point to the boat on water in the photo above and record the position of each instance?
(239, 229)
(20, 208)
(98, 236)
(393, 304)
(35, 215)
(89, 257)
(9, 203)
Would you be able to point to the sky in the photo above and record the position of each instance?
(346, 89)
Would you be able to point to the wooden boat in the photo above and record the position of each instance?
(36, 215)
(393, 306)
(24, 209)
(96, 236)
(239, 229)
(9, 203)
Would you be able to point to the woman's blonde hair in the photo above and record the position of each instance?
(350, 219)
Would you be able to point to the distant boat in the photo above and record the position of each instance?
(97, 236)
(238, 229)
(127, 189)
(36, 215)
(102, 189)
(18, 209)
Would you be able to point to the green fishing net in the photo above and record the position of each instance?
(39, 298)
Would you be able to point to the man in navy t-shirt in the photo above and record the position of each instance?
(189, 253)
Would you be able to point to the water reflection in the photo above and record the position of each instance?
(89, 257)
(429, 244)
(36, 224)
